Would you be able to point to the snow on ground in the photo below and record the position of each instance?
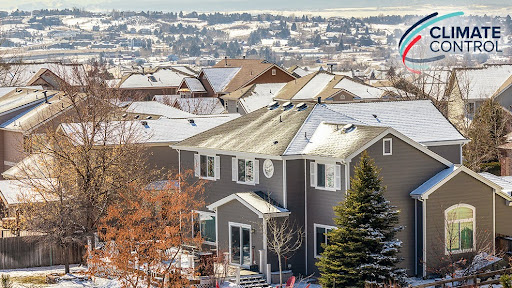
(73, 280)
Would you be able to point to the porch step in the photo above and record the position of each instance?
(252, 281)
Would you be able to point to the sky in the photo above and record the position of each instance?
(326, 7)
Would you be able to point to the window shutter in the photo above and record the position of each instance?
(337, 173)
(217, 167)
(312, 174)
(197, 172)
(256, 171)
(234, 170)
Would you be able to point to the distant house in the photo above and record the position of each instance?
(162, 81)
(468, 88)
(51, 76)
(191, 87)
(200, 105)
(230, 75)
(251, 98)
(23, 112)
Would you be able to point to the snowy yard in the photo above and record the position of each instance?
(35, 277)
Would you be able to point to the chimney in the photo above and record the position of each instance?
(319, 100)
(45, 96)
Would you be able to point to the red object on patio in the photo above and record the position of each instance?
(290, 282)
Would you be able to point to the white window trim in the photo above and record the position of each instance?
(254, 170)
(211, 214)
(215, 176)
(235, 224)
(446, 223)
(334, 164)
(390, 140)
(314, 236)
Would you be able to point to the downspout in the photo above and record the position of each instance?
(306, 212)
(285, 193)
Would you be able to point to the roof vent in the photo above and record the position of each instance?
(149, 117)
(136, 116)
(191, 121)
(349, 128)
(301, 106)
(273, 105)
(124, 115)
(287, 106)
(144, 123)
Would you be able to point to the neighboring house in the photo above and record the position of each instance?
(468, 88)
(22, 113)
(251, 98)
(230, 75)
(51, 76)
(162, 81)
(158, 134)
(191, 87)
(329, 87)
(154, 110)
(299, 161)
(200, 105)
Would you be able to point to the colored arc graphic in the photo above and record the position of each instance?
(407, 51)
(404, 45)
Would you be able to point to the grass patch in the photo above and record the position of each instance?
(37, 280)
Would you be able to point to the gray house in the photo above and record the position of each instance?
(297, 162)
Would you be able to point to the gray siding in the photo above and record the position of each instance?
(234, 211)
(449, 152)
(401, 173)
(462, 189)
(216, 190)
(320, 205)
(295, 200)
(505, 98)
(163, 157)
(503, 217)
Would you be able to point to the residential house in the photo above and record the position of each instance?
(159, 81)
(251, 98)
(299, 161)
(468, 88)
(230, 75)
(51, 76)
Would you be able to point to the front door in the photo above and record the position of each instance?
(240, 244)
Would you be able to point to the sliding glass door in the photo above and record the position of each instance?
(240, 244)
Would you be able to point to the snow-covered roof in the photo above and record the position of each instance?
(160, 78)
(15, 192)
(505, 182)
(430, 183)
(219, 78)
(419, 120)
(200, 105)
(34, 166)
(482, 83)
(359, 90)
(21, 74)
(301, 72)
(194, 84)
(161, 131)
(313, 87)
(260, 96)
(157, 108)
(254, 202)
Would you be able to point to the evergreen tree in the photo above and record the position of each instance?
(363, 249)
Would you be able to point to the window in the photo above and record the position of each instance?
(321, 238)
(245, 171)
(387, 146)
(274, 72)
(470, 109)
(240, 243)
(460, 228)
(207, 166)
(204, 225)
(325, 176)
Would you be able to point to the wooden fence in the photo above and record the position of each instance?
(475, 280)
(33, 251)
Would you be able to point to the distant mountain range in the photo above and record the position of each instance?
(327, 7)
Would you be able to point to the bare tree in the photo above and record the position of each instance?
(283, 238)
(86, 163)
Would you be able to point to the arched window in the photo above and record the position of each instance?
(460, 228)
